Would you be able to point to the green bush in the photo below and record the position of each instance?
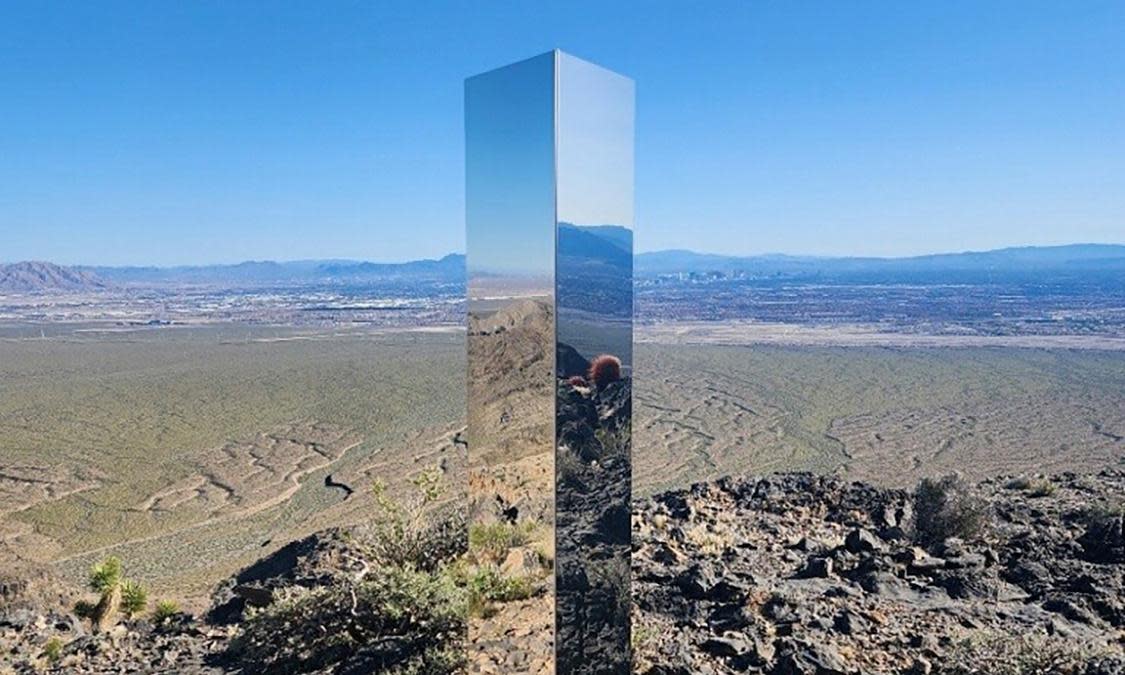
(615, 443)
(945, 508)
(415, 532)
(488, 585)
(1036, 487)
(396, 620)
(404, 613)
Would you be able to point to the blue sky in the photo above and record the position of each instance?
(192, 132)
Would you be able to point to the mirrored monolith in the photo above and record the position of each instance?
(510, 219)
(594, 361)
(549, 210)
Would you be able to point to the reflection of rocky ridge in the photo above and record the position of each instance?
(569, 363)
(798, 574)
(510, 363)
(592, 510)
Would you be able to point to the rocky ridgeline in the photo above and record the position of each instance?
(782, 575)
(799, 574)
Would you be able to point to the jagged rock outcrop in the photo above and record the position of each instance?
(801, 574)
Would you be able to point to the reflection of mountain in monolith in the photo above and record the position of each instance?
(595, 269)
(594, 287)
(511, 480)
(510, 378)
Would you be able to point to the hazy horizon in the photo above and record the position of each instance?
(384, 261)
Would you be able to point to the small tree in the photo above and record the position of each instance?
(945, 508)
(105, 580)
(116, 594)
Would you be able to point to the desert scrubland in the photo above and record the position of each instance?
(188, 452)
(792, 507)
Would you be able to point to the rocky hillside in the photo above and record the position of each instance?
(789, 574)
(800, 574)
(45, 277)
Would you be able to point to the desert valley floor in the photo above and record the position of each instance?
(192, 452)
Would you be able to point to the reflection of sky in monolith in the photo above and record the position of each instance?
(595, 146)
(510, 170)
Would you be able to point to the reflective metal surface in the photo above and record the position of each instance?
(594, 298)
(549, 195)
(510, 218)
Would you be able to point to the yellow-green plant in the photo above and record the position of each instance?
(165, 610)
(52, 651)
(134, 598)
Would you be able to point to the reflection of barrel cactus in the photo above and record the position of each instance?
(605, 369)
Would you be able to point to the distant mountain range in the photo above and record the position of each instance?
(1097, 259)
(603, 248)
(449, 269)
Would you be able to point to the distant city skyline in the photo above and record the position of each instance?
(150, 134)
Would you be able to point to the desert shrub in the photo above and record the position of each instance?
(641, 640)
(487, 585)
(493, 541)
(1104, 538)
(134, 598)
(604, 370)
(165, 610)
(415, 532)
(569, 468)
(1102, 514)
(945, 508)
(988, 653)
(613, 576)
(614, 442)
(1035, 487)
(396, 620)
(404, 613)
(52, 650)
